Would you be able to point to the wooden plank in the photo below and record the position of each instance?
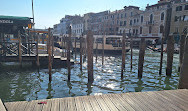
(163, 101)
(139, 104)
(110, 103)
(71, 104)
(94, 103)
(124, 103)
(86, 104)
(116, 102)
(2, 107)
(143, 101)
(63, 104)
(101, 103)
(55, 105)
(153, 101)
(173, 100)
(47, 107)
(79, 104)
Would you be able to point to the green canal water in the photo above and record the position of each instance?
(28, 84)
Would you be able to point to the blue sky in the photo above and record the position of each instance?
(49, 12)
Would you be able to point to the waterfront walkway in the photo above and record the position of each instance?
(156, 101)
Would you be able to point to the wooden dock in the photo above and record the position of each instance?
(168, 100)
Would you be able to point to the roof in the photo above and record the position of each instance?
(7, 20)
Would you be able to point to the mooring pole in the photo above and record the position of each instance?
(141, 57)
(96, 49)
(123, 54)
(161, 60)
(20, 48)
(90, 56)
(49, 55)
(182, 47)
(52, 44)
(68, 54)
(131, 44)
(183, 83)
(81, 52)
(103, 50)
(75, 48)
(37, 51)
(170, 54)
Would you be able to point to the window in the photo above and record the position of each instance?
(175, 19)
(130, 22)
(179, 8)
(125, 23)
(133, 31)
(161, 29)
(131, 14)
(151, 18)
(142, 19)
(162, 16)
(186, 7)
(121, 23)
(121, 15)
(134, 21)
(136, 31)
(125, 15)
(140, 30)
(150, 29)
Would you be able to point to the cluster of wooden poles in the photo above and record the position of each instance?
(142, 47)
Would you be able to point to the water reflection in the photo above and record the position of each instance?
(28, 84)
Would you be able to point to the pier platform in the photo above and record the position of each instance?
(168, 100)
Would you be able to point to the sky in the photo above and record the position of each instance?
(49, 12)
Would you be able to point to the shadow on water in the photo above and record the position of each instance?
(29, 84)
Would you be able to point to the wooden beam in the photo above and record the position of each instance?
(68, 54)
(123, 54)
(90, 56)
(183, 82)
(49, 55)
(170, 55)
(141, 57)
(20, 48)
(161, 60)
(182, 47)
(81, 51)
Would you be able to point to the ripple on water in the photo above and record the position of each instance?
(30, 85)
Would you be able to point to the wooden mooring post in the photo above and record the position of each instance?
(37, 51)
(75, 48)
(183, 81)
(68, 54)
(161, 60)
(141, 57)
(103, 50)
(20, 48)
(131, 44)
(49, 54)
(123, 55)
(81, 51)
(96, 49)
(170, 54)
(90, 56)
(181, 53)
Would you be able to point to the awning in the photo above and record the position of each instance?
(14, 20)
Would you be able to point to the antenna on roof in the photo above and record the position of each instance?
(33, 13)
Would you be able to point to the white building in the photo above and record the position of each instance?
(77, 29)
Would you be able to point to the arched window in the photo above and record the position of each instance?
(151, 18)
(162, 16)
(161, 29)
(140, 30)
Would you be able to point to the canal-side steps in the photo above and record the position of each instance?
(168, 100)
(2, 107)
